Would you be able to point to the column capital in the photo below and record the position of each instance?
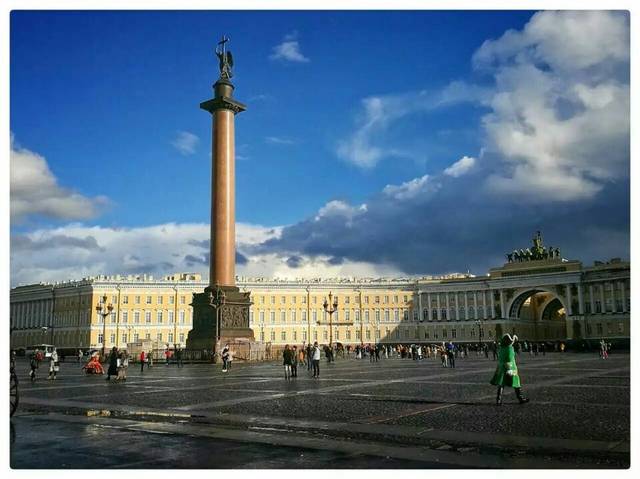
(223, 103)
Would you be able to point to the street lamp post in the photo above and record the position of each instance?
(104, 310)
(330, 307)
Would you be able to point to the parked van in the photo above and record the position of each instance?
(46, 349)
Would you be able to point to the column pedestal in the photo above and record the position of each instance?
(221, 316)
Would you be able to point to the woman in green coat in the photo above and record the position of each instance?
(507, 371)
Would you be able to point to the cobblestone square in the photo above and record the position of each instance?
(396, 413)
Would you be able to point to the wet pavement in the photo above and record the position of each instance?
(396, 413)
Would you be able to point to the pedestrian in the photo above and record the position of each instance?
(142, 361)
(150, 359)
(113, 364)
(443, 358)
(54, 365)
(309, 357)
(287, 359)
(122, 364)
(179, 356)
(39, 357)
(79, 355)
(294, 363)
(33, 364)
(506, 373)
(543, 347)
(167, 355)
(316, 360)
(225, 358)
(451, 357)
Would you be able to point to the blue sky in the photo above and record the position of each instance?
(353, 119)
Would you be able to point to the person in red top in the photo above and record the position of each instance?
(142, 360)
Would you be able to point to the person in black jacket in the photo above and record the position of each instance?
(113, 363)
(287, 360)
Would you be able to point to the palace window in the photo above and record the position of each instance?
(386, 315)
(386, 299)
(325, 335)
(182, 337)
(113, 318)
(136, 317)
(377, 313)
(395, 299)
(397, 333)
(283, 316)
(112, 338)
(357, 315)
(315, 335)
(304, 335)
(347, 300)
(346, 315)
(368, 334)
(283, 335)
(261, 317)
(295, 335)
(159, 317)
(366, 316)
(125, 317)
(273, 300)
(182, 300)
(348, 335)
(405, 315)
(124, 338)
(171, 299)
(357, 334)
(337, 335)
(170, 339)
(453, 334)
(125, 300)
(314, 316)
(443, 314)
(147, 336)
(170, 317)
(148, 299)
(100, 338)
(159, 299)
(304, 316)
(620, 328)
(272, 317)
(136, 337)
(293, 316)
(147, 317)
(181, 317)
(273, 335)
(377, 299)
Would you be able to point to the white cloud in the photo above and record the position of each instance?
(559, 117)
(369, 144)
(278, 140)
(337, 208)
(76, 250)
(460, 167)
(35, 191)
(185, 143)
(289, 50)
(410, 189)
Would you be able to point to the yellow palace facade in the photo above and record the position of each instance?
(551, 300)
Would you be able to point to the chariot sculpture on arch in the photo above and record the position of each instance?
(225, 59)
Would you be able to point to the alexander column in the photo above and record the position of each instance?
(221, 313)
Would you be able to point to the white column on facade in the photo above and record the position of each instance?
(623, 296)
(466, 306)
(502, 305)
(602, 302)
(580, 299)
(438, 316)
(457, 306)
(476, 314)
(429, 305)
(592, 299)
(569, 299)
(420, 312)
(448, 309)
(614, 308)
(493, 304)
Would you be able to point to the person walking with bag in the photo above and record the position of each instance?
(54, 365)
(507, 371)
